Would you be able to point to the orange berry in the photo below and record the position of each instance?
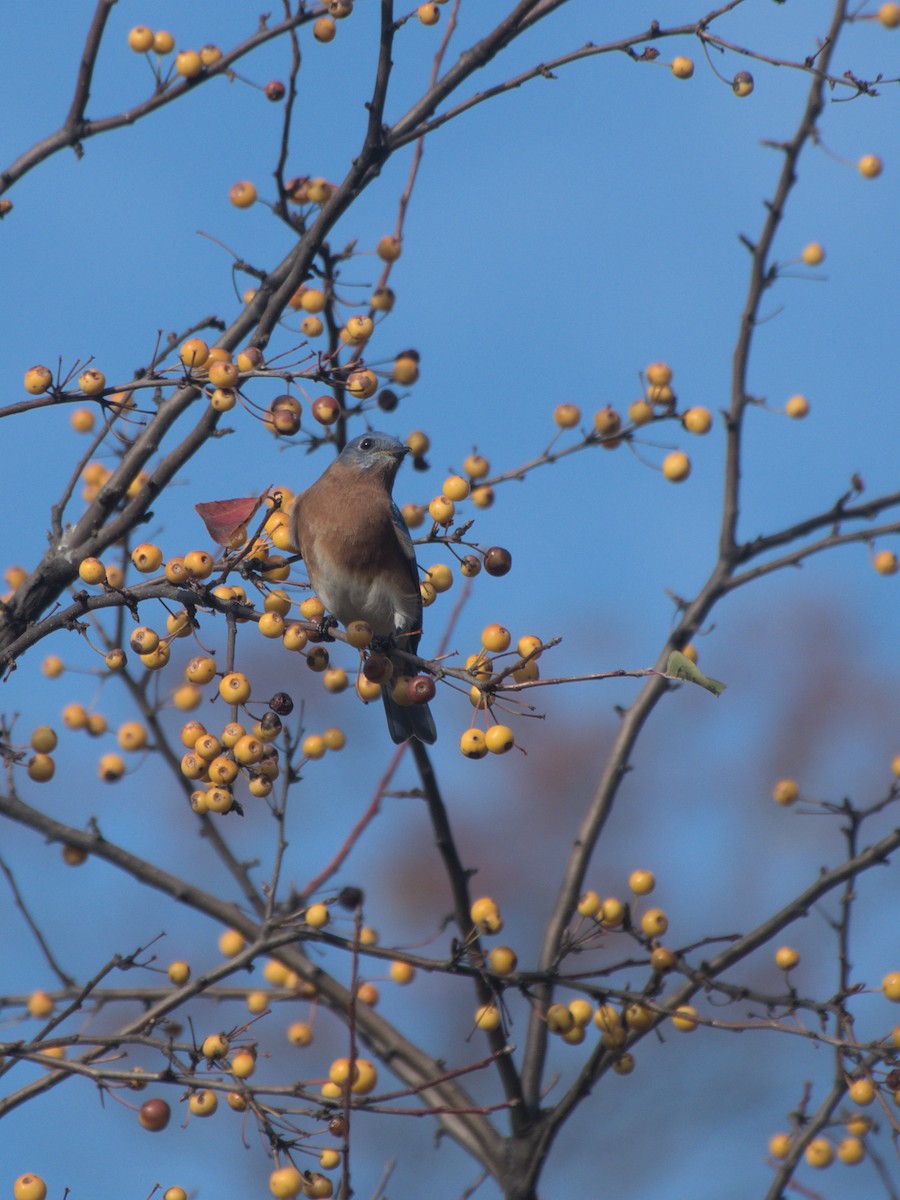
(870, 166)
(885, 562)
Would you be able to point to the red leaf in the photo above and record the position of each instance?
(223, 518)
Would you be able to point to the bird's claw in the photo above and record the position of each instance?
(324, 628)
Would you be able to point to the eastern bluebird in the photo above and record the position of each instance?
(360, 558)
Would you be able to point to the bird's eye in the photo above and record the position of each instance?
(366, 444)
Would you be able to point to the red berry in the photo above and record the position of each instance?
(154, 1115)
(420, 689)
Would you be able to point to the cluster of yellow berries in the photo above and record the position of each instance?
(442, 508)
(216, 762)
(188, 63)
(496, 641)
(658, 400)
(821, 1151)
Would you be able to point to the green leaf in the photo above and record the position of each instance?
(680, 666)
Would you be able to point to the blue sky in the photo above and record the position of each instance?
(559, 239)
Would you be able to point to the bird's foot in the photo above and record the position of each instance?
(324, 628)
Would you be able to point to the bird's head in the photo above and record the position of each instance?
(374, 452)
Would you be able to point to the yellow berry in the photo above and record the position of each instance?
(697, 420)
(324, 30)
(286, 1182)
(188, 64)
(891, 986)
(638, 1017)
(456, 487)
(642, 883)
(676, 466)
(785, 791)
(861, 1092)
(487, 1017)
(473, 744)
(495, 638)
(194, 352)
(389, 248)
(29, 1187)
(317, 916)
(83, 420)
(607, 1018)
(885, 562)
(402, 972)
(851, 1151)
(44, 739)
(147, 558)
(441, 509)
(405, 370)
(300, 1034)
(179, 972)
(41, 768)
(92, 381)
(38, 380)
(682, 67)
(797, 408)
(780, 1145)
(111, 767)
(889, 15)
(612, 912)
(742, 84)
(662, 960)
(234, 688)
(819, 1153)
(589, 904)
(216, 1045)
(640, 412)
(685, 1018)
(582, 1010)
(40, 1004)
(654, 922)
(813, 254)
(132, 736)
(502, 960)
(870, 166)
(567, 415)
(140, 39)
(231, 943)
(786, 958)
(203, 1103)
(499, 739)
(559, 1019)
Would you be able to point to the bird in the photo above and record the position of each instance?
(361, 562)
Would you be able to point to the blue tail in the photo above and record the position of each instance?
(408, 721)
